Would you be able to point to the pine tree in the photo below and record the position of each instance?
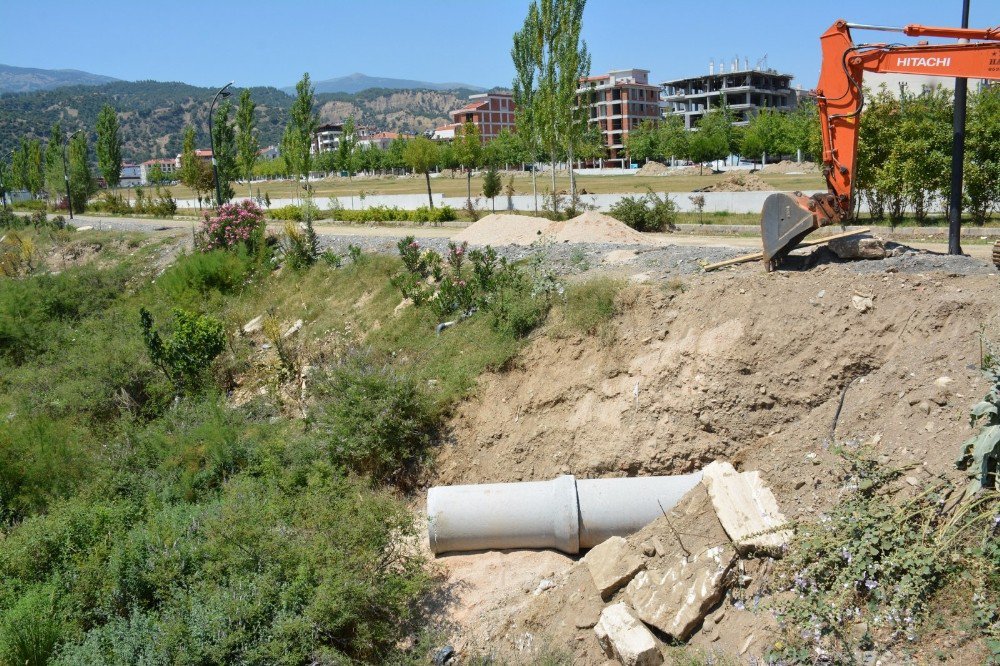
(109, 146)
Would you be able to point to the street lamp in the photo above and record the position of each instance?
(69, 193)
(211, 141)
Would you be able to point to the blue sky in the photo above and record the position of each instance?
(272, 42)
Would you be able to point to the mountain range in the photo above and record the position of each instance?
(153, 114)
(28, 79)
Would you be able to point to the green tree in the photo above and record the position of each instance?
(504, 150)
(394, 155)
(81, 179)
(446, 157)
(109, 146)
(346, 148)
(194, 172)
(422, 155)
(492, 186)
(26, 167)
(55, 174)
(300, 130)
(526, 54)
(765, 134)
(226, 158)
(185, 356)
(982, 155)
(469, 153)
(643, 143)
(672, 138)
(803, 131)
(711, 140)
(247, 138)
(924, 150)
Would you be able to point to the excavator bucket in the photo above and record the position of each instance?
(785, 220)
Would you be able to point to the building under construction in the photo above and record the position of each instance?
(744, 90)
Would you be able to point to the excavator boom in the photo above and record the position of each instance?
(788, 218)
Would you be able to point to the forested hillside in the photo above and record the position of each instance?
(153, 114)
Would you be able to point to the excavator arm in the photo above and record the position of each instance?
(788, 218)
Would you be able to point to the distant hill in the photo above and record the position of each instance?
(27, 79)
(355, 83)
(153, 114)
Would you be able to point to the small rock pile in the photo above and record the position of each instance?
(739, 181)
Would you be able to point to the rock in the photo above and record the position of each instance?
(623, 637)
(858, 247)
(745, 507)
(862, 303)
(648, 549)
(403, 304)
(87, 228)
(254, 325)
(587, 618)
(296, 327)
(676, 599)
(612, 564)
(544, 584)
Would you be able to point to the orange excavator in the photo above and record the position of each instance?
(788, 218)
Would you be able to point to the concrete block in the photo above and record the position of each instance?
(747, 509)
(677, 598)
(612, 564)
(623, 637)
(858, 247)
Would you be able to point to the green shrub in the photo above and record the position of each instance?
(300, 247)
(185, 356)
(590, 304)
(41, 458)
(290, 212)
(646, 213)
(30, 631)
(194, 277)
(31, 204)
(374, 420)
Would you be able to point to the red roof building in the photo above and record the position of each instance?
(490, 112)
(617, 102)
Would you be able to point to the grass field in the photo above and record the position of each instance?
(456, 187)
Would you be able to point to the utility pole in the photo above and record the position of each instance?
(211, 141)
(958, 156)
(4, 180)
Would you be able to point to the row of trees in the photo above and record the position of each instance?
(767, 134)
(62, 169)
(904, 154)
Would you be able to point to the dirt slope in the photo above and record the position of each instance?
(742, 366)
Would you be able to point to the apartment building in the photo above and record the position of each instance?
(490, 112)
(166, 164)
(326, 138)
(618, 102)
(745, 91)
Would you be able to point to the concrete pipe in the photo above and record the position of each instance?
(564, 513)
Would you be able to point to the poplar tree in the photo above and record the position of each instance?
(247, 138)
(55, 176)
(469, 153)
(81, 179)
(109, 146)
(526, 56)
(299, 132)
(422, 155)
(346, 148)
(225, 151)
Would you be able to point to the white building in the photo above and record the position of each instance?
(131, 175)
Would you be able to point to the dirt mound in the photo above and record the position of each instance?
(653, 168)
(747, 367)
(504, 229)
(590, 227)
(594, 227)
(787, 166)
(739, 181)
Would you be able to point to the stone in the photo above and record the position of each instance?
(746, 508)
(295, 328)
(623, 637)
(677, 598)
(612, 564)
(587, 618)
(254, 325)
(862, 303)
(858, 247)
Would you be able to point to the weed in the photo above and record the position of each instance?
(591, 304)
(578, 258)
(981, 453)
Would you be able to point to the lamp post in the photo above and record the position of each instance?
(957, 156)
(69, 192)
(223, 92)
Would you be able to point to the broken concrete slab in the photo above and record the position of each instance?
(858, 247)
(623, 637)
(612, 564)
(254, 325)
(295, 328)
(747, 509)
(677, 598)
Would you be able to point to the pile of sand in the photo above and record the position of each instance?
(504, 229)
(594, 227)
(653, 168)
(739, 181)
(590, 227)
(787, 166)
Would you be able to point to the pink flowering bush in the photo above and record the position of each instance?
(234, 224)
